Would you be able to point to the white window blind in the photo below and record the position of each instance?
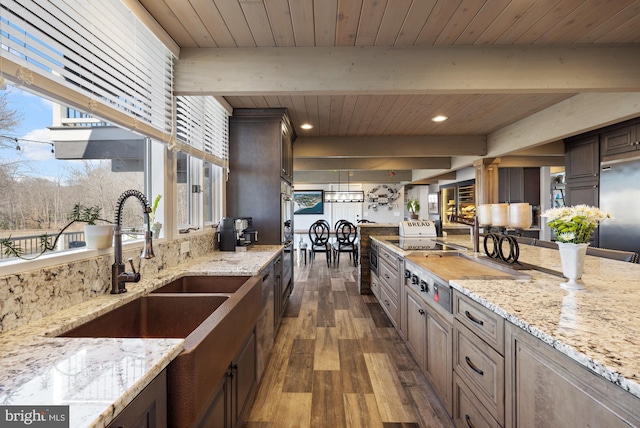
(202, 128)
(94, 55)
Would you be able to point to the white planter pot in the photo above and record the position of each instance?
(156, 227)
(572, 257)
(98, 236)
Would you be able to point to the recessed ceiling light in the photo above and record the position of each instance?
(439, 118)
(306, 126)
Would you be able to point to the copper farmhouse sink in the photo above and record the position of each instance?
(204, 284)
(158, 316)
(214, 326)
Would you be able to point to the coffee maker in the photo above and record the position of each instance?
(236, 232)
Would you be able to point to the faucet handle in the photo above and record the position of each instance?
(133, 268)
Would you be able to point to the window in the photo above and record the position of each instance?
(212, 193)
(53, 157)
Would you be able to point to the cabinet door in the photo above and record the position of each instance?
(415, 326)
(286, 171)
(584, 192)
(620, 140)
(531, 186)
(375, 285)
(265, 327)
(244, 379)
(548, 389)
(582, 158)
(219, 412)
(516, 185)
(439, 356)
(148, 409)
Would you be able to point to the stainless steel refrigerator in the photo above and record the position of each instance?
(620, 196)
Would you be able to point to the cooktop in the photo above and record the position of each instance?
(421, 244)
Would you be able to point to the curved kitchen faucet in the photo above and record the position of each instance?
(118, 274)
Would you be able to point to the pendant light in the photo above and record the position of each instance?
(344, 195)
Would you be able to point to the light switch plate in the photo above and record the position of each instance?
(396, 214)
(184, 247)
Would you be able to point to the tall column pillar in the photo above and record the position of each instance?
(486, 180)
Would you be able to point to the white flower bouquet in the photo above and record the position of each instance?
(574, 224)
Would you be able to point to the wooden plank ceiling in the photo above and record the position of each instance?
(424, 23)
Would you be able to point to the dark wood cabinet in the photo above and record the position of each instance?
(286, 172)
(278, 302)
(621, 140)
(148, 409)
(582, 158)
(260, 160)
(519, 184)
(266, 326)
(235, 391)
(582, 162)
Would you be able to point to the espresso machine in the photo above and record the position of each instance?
(236, 233)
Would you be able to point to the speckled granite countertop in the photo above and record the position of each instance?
(99, 377)
(599, 327)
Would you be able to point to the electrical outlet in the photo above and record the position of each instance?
(184, 247)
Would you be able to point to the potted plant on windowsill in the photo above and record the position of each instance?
(156, 226)
(413, 206)
(97, 236)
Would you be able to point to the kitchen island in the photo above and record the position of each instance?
(98, 378)
(597, 328)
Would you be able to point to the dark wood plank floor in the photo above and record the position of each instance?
(338, 362)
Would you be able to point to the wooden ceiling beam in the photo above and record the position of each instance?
(388, 163)
(531, 161)
(390, 146)
(380, 70)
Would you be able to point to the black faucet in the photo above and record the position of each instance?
(118, 275)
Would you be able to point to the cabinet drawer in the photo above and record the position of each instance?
(482, 369)
(390, 278)
(375, 285)
(488, 325)
(390, 258)
(389, 304)
(466, 410)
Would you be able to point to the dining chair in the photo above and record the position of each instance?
(624, 256)
(346, 241)
(319, 234)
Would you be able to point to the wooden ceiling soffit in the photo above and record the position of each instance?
(434, 180)
(382, 70)
(387, 163)
(373, 176)
(390, 146)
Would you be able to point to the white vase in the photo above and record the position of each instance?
(572, 257)
(98, 236)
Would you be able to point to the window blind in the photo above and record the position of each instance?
(202, 128)
(95, 56)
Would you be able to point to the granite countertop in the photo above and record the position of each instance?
(599, 327)
(98, 378)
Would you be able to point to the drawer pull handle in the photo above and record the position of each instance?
(467, 419)
(474, 319)
(473, 366)
(421, 311)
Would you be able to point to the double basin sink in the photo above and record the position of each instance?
(213, 314)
